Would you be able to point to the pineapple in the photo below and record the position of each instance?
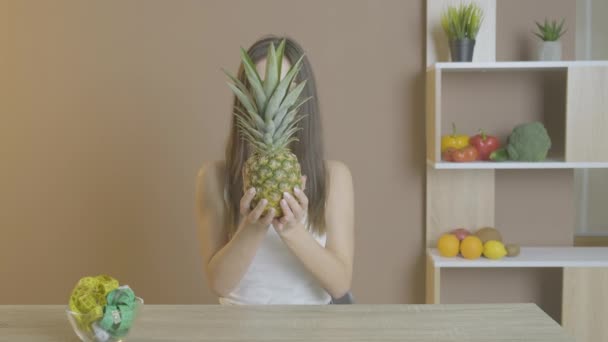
(267, 120)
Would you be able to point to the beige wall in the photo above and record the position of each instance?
(515, 26)
(110, 108)
(113, 105)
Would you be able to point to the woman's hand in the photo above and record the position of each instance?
(253, 217)
(294, 210)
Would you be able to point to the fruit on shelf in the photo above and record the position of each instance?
(461, 233)
(487, 242)
(485, 144)
(448, 245)
(528, 142)
(486, 234)
(494, 250)
(471, 247)
(466, 154)
(512, 250)
(454, 140)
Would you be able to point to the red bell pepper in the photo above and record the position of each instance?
(485, 144)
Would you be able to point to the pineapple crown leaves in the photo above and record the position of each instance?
(550, 31)
(269, 115)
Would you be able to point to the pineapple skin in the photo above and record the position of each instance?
(272, 174)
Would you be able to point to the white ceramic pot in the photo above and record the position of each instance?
(550, 51)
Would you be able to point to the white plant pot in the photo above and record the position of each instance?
(549, 51)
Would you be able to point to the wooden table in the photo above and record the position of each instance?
(420, 323)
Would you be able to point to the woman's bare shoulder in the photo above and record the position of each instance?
(337, 168)
(212, 170)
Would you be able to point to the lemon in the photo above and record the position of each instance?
(494, 249)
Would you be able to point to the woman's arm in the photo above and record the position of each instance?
(227, 261)
(332, 266)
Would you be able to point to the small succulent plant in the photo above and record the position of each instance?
(550, 31)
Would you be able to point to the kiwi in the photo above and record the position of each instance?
(512, 250)
(486, 234)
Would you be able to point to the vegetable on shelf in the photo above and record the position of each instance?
(527, 142)
(485, 144)
(454, 141)
(467, 154)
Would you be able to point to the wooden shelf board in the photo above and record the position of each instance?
(548, 164)
(531, 257)
(517, 65)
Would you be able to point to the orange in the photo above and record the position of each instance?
(471, 247)
(448, 245)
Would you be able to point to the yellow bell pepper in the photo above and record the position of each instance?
(455, 141)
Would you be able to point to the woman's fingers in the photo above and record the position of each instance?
(298, 209)
(304, 178)
(266, 220)
(245, 204)
(295, 207)
(276, 223)
(302, 198)
(255, 214)
(287, 213)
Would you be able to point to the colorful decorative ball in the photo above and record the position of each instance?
(102, 309)
(89, 297)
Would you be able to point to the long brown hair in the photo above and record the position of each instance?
(308, 148)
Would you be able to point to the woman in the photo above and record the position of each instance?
(303, 257)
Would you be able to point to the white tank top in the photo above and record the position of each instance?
(277, 276)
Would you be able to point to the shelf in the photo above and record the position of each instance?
(548, 164)
(570, 106)
(524, 65)
(532, 257)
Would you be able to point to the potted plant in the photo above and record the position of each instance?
(461, 24)
(550, 47)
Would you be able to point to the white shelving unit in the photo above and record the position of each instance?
(547, 164)
(531, 257)
(514, 66)
(577, 122)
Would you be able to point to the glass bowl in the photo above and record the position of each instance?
(94, 333)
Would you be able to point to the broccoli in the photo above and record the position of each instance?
(527, 142)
